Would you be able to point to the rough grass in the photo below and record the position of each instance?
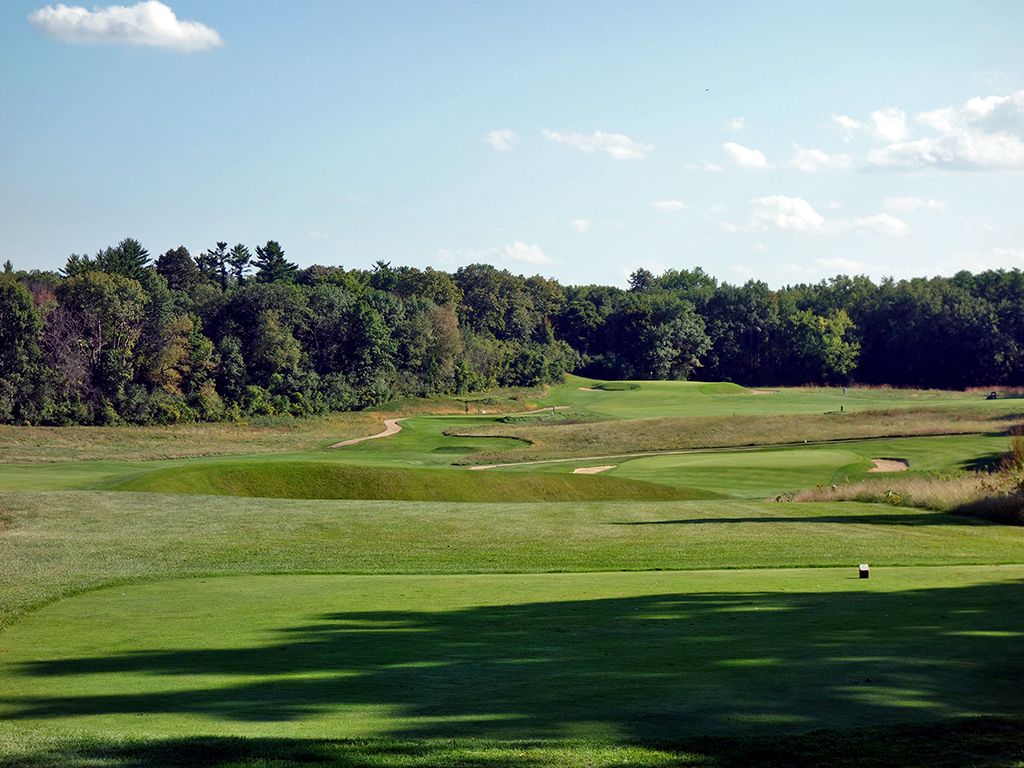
(617, 438)
(943, 493)
(20, 444)
(996, 496)
(311, 480)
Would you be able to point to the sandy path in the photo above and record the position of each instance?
(592, 470)
(391, 427)
(890, 465)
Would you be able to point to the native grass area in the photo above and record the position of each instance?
(459, 593)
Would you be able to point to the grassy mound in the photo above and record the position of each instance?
(723, 388)
(317, 480)
(616, 386)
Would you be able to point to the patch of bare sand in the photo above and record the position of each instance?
(391, 427)
(592, 470)
(890, 465)
(764, 391)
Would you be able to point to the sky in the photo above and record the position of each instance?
(780, 141)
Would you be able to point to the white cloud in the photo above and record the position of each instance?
(797, 215)
(522, 253)
(842, 264)
(985, 133)
(811, 160)
(704, 166)
(889, 124)
(793, 213)
(848, 126)
(745, 157)
(728, 226)
(882, 223)
(737, 124)
(504, 140)
(907, 204)
(581, 225)
(980, 261)
(517, 252)
(668, 205)
(150, 24)
(617, 145)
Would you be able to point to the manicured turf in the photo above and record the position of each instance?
(141, 628)
(762, 472)
(59, 543)
(317, 480)
(642, 656)
(658, 399)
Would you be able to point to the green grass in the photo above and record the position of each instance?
(60, 543)
(540, 441)
(317, 480)
(659, 399)
(626, 657)
(232, 616)
(772, 471)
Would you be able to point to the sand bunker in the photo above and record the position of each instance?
(764, 391)
(592, 470)
(890, 465)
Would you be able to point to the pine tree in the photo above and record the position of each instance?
(239, 259)
(271, 265)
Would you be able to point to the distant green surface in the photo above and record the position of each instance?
(760, 472)
(654, 399)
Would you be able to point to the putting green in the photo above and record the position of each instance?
(606, 655)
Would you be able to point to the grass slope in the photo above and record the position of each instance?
(309, 480)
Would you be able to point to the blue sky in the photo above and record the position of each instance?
(783, 141)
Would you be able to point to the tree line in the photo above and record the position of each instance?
(120, 337)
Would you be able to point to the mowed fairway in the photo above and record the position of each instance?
(611, 656)
(378, 605)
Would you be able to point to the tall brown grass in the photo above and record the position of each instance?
(996, 496)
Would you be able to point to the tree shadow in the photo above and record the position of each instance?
(979, 742)
(881, 518)
(640, 669)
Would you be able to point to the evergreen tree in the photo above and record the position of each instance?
(179, 270)
(271, 265)
(239, 259)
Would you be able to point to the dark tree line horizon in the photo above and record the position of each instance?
(230, 333)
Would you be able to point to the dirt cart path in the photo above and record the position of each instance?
(391, 427)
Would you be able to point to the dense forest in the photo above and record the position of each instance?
(230, 333)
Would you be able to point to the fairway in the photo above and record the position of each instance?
(386, 603)
(610, 656)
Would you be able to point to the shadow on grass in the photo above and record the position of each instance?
(978, 742)
(640, 669)
(893, 518)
